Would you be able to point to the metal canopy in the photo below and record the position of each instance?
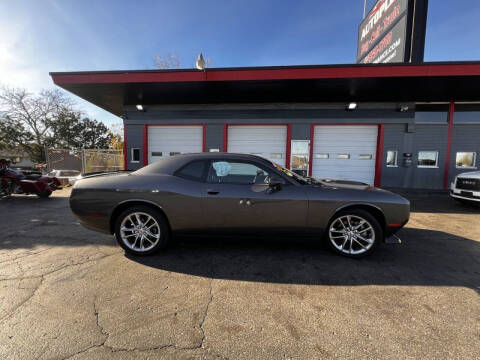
(428, 82)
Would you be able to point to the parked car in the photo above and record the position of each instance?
(466, 187)
(235, 194)
(66, 177)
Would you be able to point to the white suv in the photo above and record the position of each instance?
(466, 187)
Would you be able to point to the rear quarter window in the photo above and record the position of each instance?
(192, 171)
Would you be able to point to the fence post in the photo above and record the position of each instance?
(83, 161)
(47, 162)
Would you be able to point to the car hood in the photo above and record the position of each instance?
(470, 175)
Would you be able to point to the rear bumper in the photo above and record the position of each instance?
(90, 218)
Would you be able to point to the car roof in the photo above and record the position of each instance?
(170, 164)
(209, 155)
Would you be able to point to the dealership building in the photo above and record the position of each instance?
(390, 125)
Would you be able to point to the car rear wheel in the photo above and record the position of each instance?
(141, 230)
(354, 233)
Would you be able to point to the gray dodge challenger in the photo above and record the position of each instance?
(235, 194)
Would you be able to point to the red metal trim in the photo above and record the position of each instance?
(289, 146)
(145, 145)
(310, 158)
(177, 124)
(324, 72)
(125, 158)
(225, 138)
(379, 156)
(451, 113)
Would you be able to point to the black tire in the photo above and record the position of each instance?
(44, 194)
(356, 214)
(164, 230)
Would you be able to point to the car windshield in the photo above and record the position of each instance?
(299, 179)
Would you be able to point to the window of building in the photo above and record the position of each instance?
(365, 157)
(157, 153)
(343, 156)
(173, 153)
(275, 155)
(427, 159)
(392, 156)
(231, 172)
(135, 155)
(321, 156)
(300, 153)
(466, 159)
(192, 171)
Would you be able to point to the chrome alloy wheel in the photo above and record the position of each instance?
(140, 231)
(351, 234)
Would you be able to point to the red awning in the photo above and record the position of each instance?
(111, 90)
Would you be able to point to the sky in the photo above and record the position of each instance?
(39, 36)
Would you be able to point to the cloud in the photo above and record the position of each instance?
(25, 59)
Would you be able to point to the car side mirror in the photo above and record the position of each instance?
(275, 184)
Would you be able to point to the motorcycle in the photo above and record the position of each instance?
(16, 182)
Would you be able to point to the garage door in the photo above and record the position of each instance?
(269, 142)
(164, 141)
(345, 152)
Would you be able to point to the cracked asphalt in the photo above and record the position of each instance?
(69, 293)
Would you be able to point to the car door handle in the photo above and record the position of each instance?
(212, 192)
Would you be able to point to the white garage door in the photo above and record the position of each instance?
(164, 141)
(345, 152)
(269, 142)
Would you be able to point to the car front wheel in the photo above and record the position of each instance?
(141, 230)
(354, 233)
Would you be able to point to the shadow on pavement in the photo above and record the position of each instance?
(429, 258)
(426, 258)
(438, 203)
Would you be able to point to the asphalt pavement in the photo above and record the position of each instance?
(69, 293)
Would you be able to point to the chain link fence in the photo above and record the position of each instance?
(85, 160)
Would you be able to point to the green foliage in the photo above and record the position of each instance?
(30, 122)
(71, 131)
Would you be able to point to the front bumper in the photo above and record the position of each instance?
(464, 194)
(393, 239)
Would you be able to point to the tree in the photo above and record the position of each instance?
(170, 61)
(28, 118)
(31, 122)
(117, 137)
(71, 131)
(94, 134)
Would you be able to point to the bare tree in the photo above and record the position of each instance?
(169, 61)
(27, 118)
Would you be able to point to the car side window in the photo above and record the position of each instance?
(236, 172)
(192, 171)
